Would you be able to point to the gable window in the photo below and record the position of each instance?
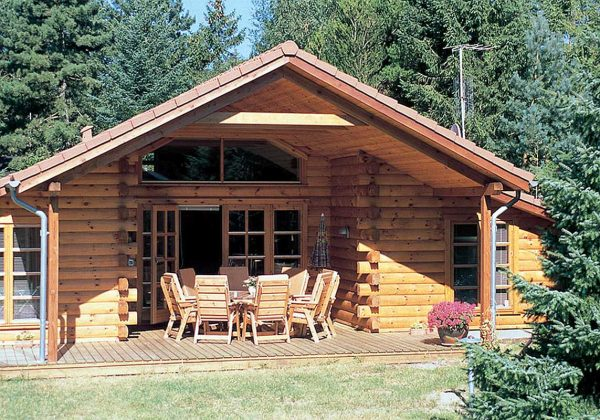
(220, 161)
(20, 274)
(465, 263)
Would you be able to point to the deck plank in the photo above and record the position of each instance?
(149, 345)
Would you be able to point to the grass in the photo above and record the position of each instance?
(342, 390)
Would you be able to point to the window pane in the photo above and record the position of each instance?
(184, 160)
(501, 278)
(26, 261)
(1, 237)
(146, 272)
(465, 233)
(256, 220)
(147, 240)
(147, 296)
(256, 266)
(469, 296)
(1, 261)
(160, 246)
(2, 287)
(26, 237)
(287, 244)
(237, 221)
(287, 220)
(256, 245)
(171, 246)
(236, 262)
(237, 246)
(171, 221)
(502, 298)
(160, 221)
(160, 270)
(258, 161)
(26, 285)
(1, 310)
(502, 255)
(466, 276)
(502, 232)
(280, 263)
(26, 309)
(465, 255)
(160, 298)
(147, 221)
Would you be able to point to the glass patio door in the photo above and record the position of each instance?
(165, 256)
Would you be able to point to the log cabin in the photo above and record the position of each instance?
(237, 171)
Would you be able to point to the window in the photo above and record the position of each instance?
(286, 239)
(502, 264)
(465, 263)
(220, 161)
(263, 238)
(247, 240)
(20, 275)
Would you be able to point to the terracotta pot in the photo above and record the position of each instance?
(450, 337)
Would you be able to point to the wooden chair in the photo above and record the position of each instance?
(298, 280)
(188, 281)
(327, 309)
(213, 305)
(270, 307)
(236, 276)
(180, 308)
(316, 311)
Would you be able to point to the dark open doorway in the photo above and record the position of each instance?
(201, 236)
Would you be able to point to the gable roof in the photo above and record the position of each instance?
(219, 91)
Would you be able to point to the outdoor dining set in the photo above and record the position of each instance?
(266, 307)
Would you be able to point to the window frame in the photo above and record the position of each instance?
(269, 232)
(450, 222)
(284, 148)
(8, 274)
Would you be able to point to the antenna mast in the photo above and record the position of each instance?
(461, 87)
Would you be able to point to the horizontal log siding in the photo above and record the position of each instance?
(395, 214)
(95, 215)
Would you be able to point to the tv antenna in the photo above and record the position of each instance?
(461, 82)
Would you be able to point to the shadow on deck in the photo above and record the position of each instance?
(146, 351)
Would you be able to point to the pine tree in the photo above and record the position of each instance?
(148, 59)
(49, 57)
(214, 45)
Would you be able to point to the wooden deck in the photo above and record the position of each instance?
(147, 351)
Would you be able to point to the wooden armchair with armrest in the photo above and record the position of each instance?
(214, 305)
(180, 308)
(270, 307)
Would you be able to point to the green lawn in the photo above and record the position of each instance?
(342, 390)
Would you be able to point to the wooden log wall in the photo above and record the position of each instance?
(95, 216)
(393, 265)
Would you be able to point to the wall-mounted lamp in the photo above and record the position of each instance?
(344, 231)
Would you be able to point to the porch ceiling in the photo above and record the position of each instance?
(330, 142)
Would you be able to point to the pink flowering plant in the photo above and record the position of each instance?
(451, 315)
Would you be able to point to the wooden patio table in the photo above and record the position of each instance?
(243, 300)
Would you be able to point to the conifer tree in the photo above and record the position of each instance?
(214, 45)
(147, 62)
(531, 128)
(558, 374)
(48, 62)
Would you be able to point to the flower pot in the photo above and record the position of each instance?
(252, 290)
(417, 331)
(450, 337)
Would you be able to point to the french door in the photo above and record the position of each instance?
(160, 254)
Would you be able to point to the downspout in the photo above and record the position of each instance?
(494, 228)
(12, 187)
